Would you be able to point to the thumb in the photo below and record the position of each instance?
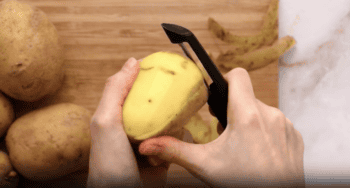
(187, 155)
(116, 90)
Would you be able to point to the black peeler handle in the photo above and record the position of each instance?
(218, 90)
(218, 99)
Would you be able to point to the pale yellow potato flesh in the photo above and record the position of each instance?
(168, 90)
(201, 131)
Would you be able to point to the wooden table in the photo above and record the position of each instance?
(100, 35)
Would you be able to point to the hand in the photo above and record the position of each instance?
(113, 160)
(259, 146)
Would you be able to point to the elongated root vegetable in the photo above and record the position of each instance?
(258, 58)
(266, 36)
(202, 132)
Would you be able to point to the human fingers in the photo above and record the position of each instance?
(154, 160)
(190, 156)
(146, 160)
(152, 175)
(116, 90)
(242, 106)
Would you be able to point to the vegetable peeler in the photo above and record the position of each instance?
(218, 90)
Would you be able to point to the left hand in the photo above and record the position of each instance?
(114, 161)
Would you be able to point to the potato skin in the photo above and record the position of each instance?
(31, 55)
(8, 177)
(7, 114)
(50, 142)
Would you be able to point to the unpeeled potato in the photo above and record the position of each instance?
(31, 55)
(7, 114)
(50, 142)
(168, 90)
(8, 177)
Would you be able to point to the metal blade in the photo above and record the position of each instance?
(187, 54)
(184, 49)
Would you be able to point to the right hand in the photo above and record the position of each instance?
(259, 146)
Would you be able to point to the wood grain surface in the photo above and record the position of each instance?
(100, 35)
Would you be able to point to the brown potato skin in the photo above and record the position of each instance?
(7, 114)
(50, 142)
(31, 54)
(8, 177)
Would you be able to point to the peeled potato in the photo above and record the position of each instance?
(201, 131)
(7, 114)
(168, 90)
(31, 56)
(50, 142)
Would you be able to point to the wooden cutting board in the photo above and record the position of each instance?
(100, 35)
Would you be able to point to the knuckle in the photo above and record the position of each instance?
(239, 70)
(298, 134)
(236, 72)
(277, 117)
(277, 121)
(114, 80)
(289, 122)
(252, 119)
(109, 80)
(115, 76)
(95, 121)
(99, 121)
(299, 140)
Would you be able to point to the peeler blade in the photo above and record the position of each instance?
(218, 90)
(187, 54)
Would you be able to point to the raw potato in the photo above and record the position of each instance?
(8, 177)
(168, 90)
(50, 142)
(7, 115)
(258, 58)
(31, 56)
(202, 132)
